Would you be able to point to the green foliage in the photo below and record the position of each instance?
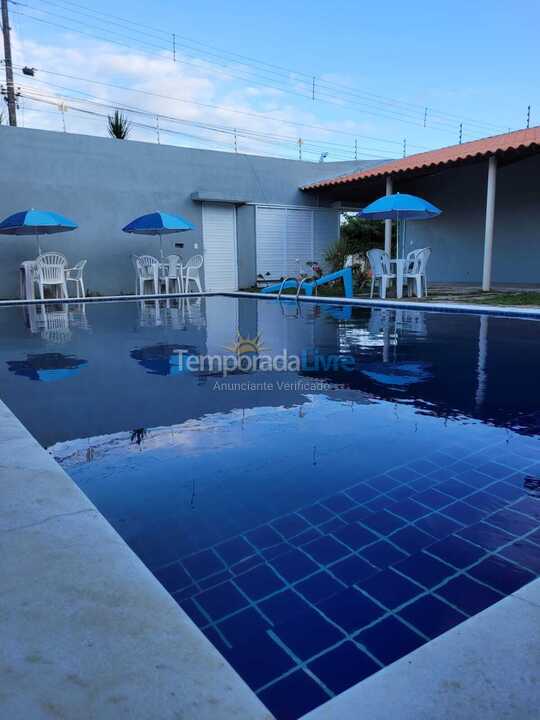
(118, 125)
(357, 237)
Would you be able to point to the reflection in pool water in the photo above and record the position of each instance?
(314, 535)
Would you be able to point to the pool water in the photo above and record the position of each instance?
(318, 522)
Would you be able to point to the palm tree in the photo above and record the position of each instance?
(118, 125)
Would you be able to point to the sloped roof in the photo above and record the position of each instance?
(519, 139)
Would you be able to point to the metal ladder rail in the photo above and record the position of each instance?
(315, 288)
(283, 284)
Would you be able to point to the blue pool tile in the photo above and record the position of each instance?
(410, 509)
(245, 624)
(389, 639)
(433, 498)
(468, 595)
(475, 479)
(455, 488)
(221, 600)
(263, 537)
(338, 503)
(424, 569)
(362, 492)
(259, 663)
(215, 638)
(495, 470)
(330, 525)
(192, 609)
(326, 550)
(403, 474)
(343, 667)
(173, 577)
(308, 634)
(384, 522)
(524, 553)
(290, 525)
(485, 535)
(382, 554)
(402, 492)
(186, 593)
(202, 564)
(352, 569)
(215, 579)
(356, 514)
(355, 536)
(381, 502)
(411, 539)
(528, 507)
(485, 501)
(441, 459)
(305, 537)
(319, 587)
(431, 616)
(424, 482)
(513, 522)
(282, 606)
(259, 582)
(294, 565)
(534, 537)
(390, 589)
(293, 696)
(438, 525)
(315, 514)
(383, 483)
(351, 610)
(456, 551)
(273, 551)
(464, 513)
(245, 565)
(234, 550)
(506, 491)
(501, 575)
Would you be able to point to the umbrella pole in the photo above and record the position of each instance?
(161, 246)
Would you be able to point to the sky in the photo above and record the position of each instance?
(350, 79)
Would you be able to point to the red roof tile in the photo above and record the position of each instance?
(454, 153)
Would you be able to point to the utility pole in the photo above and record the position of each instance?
(12, 105)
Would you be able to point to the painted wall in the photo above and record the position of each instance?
(102, 184)
(456, 237)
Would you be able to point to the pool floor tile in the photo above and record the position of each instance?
(356, 514)
(259, 582)
(308, 634)
(424, 569)
(294, 565)
(529, 507)
(202, 564)
(351, 610)
(293, 696)
(221, 600)
(305, 537)
(247, 623)
(355, 536)
(352, 569)
(384, 522)
(411, 539)
(382, 554)
(290, 525)
(390, 589)
(433, 498)
(173, 577)
(506, 491)
(383, 483)
(524, 553)
(263, 537)
(501, 574)
(487, 536)
(513, 522)
(463, 513)
(283, 606)
(438, 525)
(455, 488)
(193, 611)
(319, 587)
(431, 616)
(468, 595)
(260, 662)
(485, 501)
(410, 509)
(343, 667)
(389, 639)
(456, 551)
(326, 550)
(315, 514)
(362, 492)
(234, 550)
(338, 503)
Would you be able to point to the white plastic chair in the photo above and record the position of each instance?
(172, 273)
(379, 262)
(192, 272)
(51, 272)
(75, 274)
(417, 272)
(147, 268)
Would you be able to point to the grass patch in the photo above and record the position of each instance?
(531, 298)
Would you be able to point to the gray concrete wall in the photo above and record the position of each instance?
(457, 236)
(103, 183)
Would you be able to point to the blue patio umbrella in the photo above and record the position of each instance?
(400, 207)
(158, 223)
(36, 222)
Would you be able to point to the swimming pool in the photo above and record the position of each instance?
(316, 522)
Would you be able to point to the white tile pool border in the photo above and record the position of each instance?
(87, 632)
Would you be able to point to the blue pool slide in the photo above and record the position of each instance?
(309, 287)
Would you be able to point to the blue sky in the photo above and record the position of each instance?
(469, 60)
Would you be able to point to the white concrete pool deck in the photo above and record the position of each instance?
(87, 633)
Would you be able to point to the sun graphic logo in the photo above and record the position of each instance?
(246, 345)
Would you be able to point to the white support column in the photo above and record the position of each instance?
(490, 222)
(388, 223)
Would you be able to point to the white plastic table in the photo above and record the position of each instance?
(26, 281)
(399, 264)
